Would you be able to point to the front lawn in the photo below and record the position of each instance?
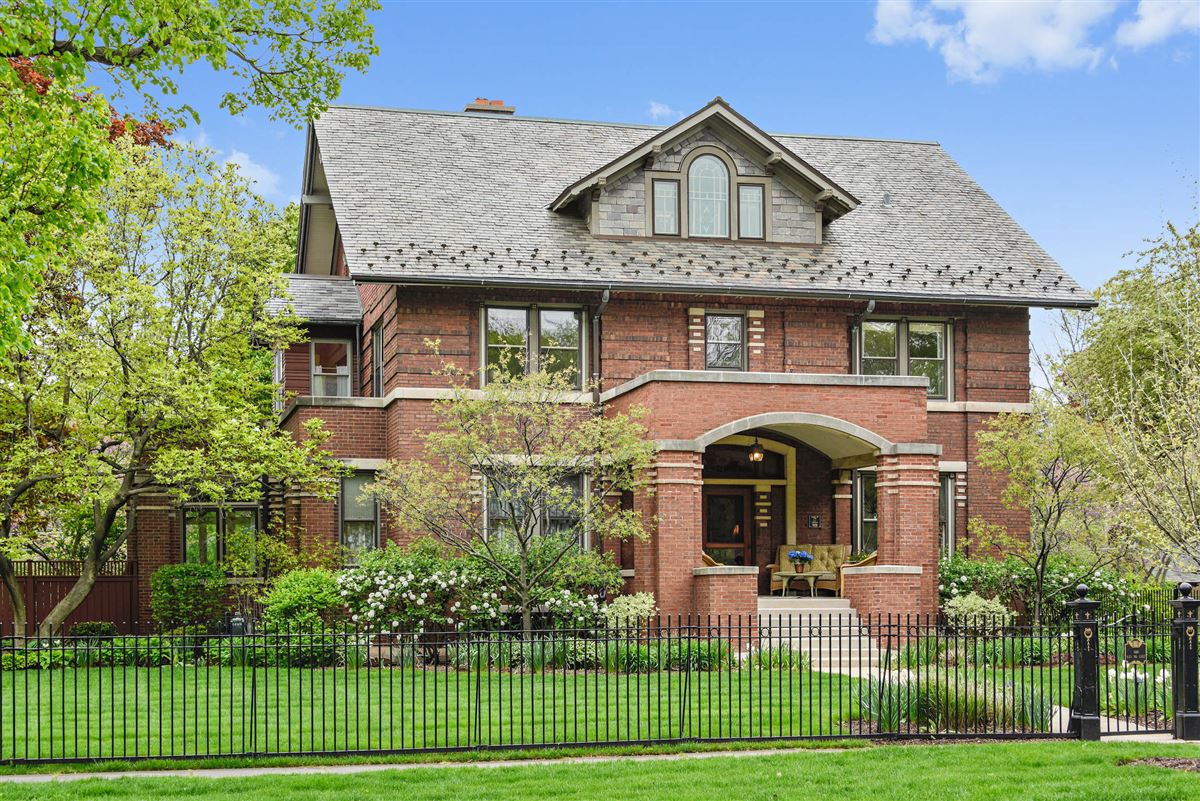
(128, 711)
(1037, 771)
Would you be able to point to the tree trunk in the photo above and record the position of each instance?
(70, 602)
(16, 596)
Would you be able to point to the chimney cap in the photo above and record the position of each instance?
(482, 105)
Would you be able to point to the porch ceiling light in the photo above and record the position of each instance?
(756, 451)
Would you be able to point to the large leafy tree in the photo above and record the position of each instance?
(1136, 374)
(145, 370)
(286, 56)
(516, 448)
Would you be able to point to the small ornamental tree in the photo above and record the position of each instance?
(1051, 462)
(512, 467)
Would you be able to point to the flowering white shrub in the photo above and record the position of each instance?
(630, 610)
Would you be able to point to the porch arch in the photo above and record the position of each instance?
(833, 436)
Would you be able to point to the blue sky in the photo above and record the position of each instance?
(1081, 118)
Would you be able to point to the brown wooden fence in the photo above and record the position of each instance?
(113, 598)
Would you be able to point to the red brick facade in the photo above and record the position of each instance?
(641, 333)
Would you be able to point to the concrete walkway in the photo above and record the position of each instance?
(347, 770)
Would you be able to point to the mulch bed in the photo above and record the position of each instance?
(1174, 763)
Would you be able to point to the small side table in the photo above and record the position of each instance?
(786, 577)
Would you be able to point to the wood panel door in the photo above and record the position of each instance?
(727, 515)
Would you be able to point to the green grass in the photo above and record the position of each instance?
(121, 712)
(1037, 771)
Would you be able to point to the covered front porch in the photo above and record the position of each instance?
(729, 501)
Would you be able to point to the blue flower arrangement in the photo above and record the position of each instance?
(800, 557)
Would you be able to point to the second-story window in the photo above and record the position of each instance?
(708, 198)
(331, 368)
(724, 342)
(534, 338)
(907, 347)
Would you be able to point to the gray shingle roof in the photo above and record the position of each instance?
(323, 299)
(441, 197)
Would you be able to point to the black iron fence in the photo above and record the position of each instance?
(349, 690)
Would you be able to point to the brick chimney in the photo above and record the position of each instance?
(481, 105)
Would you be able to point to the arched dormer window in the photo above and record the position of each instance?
(708, 198)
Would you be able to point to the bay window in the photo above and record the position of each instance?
(866, 514)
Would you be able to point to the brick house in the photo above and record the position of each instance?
(850, 311)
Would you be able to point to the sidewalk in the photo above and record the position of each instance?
(233, 773)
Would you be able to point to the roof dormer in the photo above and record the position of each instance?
(713, 176)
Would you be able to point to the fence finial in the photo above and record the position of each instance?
(1185, 590)
(1081, 591)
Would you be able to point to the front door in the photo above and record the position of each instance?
(727, 524)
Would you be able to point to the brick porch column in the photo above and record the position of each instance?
(904, 578)
(842, 506)
(663, 564)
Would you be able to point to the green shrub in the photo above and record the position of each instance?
(287, 650)
(974, 613)
(630, 610)
(135, 652)
(921, 651)
(38, 658)
(779, 657)
(96, 629)
(187, 594)
(307, 598)
(955, 701)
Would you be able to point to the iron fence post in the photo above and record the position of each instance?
(1185, 664)
(1085, 657)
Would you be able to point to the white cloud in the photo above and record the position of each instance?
(265, 180)
(661, 111)
(1158, 20)
(979, 41)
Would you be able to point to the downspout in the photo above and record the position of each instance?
(596, 315)
(357, 361)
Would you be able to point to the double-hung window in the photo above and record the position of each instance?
(946, 512)
(213, 533)
(525, 339)
(551, 519)
(724, 342)
(751, 211)
(666, 207)
(907, 347)
(866, 532)
(377, 360)
(358, 515)
(331, 368)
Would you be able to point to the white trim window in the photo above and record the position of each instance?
(331, 361)
(358, 515)
(724, 342)
(529, 338)
(708, 198)
(908, 347)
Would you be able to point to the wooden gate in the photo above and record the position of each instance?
(113, 598)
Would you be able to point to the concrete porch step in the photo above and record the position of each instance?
(791, 602)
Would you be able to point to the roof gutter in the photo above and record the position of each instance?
(682, 289)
